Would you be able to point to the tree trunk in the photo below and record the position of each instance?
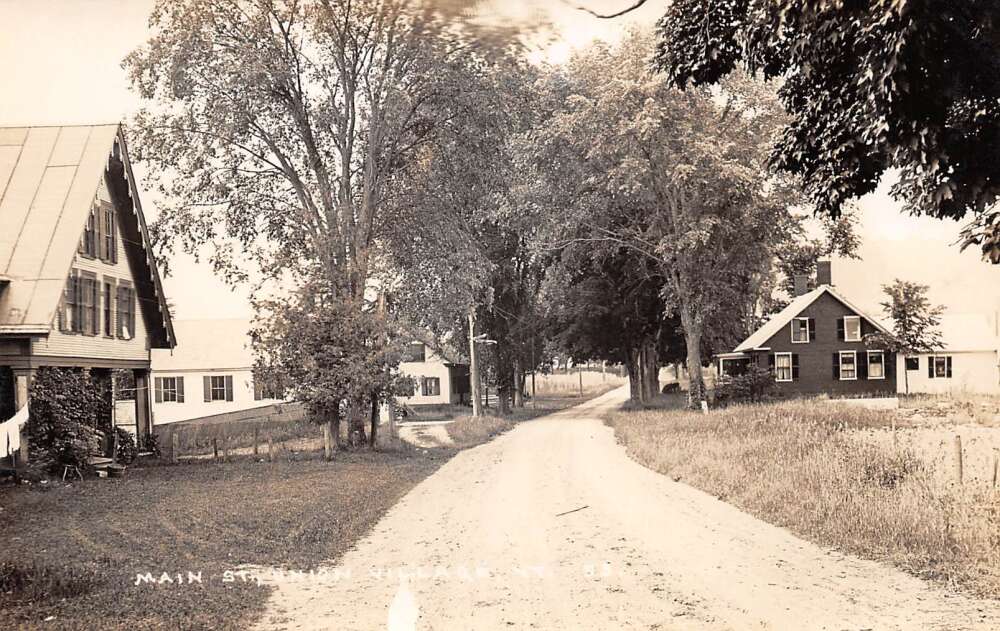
(373, 433)
(632, 365)
(691, 323)
(475, 384)
(518, 384)
(356, 424)
(336, 427)
(651, 370)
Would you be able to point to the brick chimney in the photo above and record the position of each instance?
(801, 285)
(824, 275)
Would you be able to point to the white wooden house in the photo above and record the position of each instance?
(969, 359)
(437, 380)
(79, 287)
(209, 372)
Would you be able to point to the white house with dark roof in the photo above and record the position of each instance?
(79, 286)
(209, 372)
(969, 359)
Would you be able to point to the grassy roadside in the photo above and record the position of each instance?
(73, 551)
(797, 465)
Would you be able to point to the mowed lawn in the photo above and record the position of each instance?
(70, 553)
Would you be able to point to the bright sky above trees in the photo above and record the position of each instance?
(59, 61)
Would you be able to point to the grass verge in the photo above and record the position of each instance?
(73, 551)
(797, 465)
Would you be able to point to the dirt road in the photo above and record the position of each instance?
(552, 526)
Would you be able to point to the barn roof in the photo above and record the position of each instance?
(49, 177)
(794, 308)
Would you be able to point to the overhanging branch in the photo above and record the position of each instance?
(609, 16)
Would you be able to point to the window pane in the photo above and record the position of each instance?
(875, 366)
(940, 367)
(847, 366)
(800, 330)
(852, 328)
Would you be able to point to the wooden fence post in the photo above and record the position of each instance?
(175, 444)
(958, 458)
(256, 436)
(270, 447)
(996, 466)
(215, 448)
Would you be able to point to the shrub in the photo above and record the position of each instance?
(62, 425)
(33, 582)
(151, 444)
(753, 386)
(127, 449)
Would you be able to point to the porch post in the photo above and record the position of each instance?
(22, 390)
(143, 415)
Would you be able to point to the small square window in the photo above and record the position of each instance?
(913, 363)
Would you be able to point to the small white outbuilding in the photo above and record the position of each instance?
(969, 360)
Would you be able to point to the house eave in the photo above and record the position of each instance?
(24, 330)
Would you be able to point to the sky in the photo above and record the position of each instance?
(60, 63)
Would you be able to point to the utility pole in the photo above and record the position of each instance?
(580, 373)
(534, 367)
(477, 403)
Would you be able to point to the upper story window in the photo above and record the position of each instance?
(852, 328)
(88, 244)
(88, 305)
(126, 312)
(802, 330)
(416, 352)
(109, 233)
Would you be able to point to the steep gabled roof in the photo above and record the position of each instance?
(49, 178)
(794, 308)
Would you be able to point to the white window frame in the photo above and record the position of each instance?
(944, 362)
(213, 389)
(164, 389)
(848, 339)
(868, 366)
(808, 332)
(791, 375)
(854, 355)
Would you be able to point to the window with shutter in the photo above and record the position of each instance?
(782, 367)
(848, 365)
(108, 241)
(852, 328)
(109, 310)
(800, 331)
(876, 365)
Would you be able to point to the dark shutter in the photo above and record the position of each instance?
(207, 382)
(861, 365)
(795, 366)
(840, 329)
(770, 362)
(158, 389)
(836, 364)
(812, 329)
(229, 388)
(947, 363)
(77, 305)
(930, 367)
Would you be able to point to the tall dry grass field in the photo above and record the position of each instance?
(798, 465)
